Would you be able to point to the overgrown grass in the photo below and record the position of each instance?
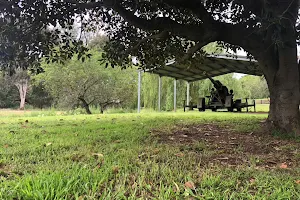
(115, 157)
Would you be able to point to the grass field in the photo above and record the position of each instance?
(145, 156)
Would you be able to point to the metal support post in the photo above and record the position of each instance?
(188, 93)
(159, 93)
(175, 95)
(139, 91)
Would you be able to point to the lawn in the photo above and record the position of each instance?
(188, 155)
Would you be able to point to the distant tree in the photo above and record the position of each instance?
(39, 97)
(98, 41)
(9, 95)
(15, 57)
(21, 80)
(256, 86)
(87, 83)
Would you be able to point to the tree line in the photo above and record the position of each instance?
(74, 84)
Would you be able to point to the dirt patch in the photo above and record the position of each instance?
(224, 145)
(4, 171)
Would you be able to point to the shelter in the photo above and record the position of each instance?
(212, 65)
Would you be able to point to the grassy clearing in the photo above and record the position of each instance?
(262, 107)
(116, 156)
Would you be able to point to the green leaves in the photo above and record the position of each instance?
(82, 78)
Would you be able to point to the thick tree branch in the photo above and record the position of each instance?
(239, 35)
(209, 31)
(160, 36)
(196, 6)
(163, 24)
(159, 23)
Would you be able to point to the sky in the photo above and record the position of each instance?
(240, 53)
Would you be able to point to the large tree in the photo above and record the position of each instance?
(158, 30)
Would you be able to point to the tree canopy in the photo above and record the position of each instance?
(158, 30)
(174, 27)
(75, 83)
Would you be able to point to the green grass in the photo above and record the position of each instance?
(115, 157)
(262, 107)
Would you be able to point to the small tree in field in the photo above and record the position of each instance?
(87, 83)
(19, 79)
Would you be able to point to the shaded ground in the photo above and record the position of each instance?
(223, 145)
(114, 157)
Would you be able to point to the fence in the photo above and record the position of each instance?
(262, 101)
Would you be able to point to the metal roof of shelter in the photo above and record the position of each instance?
(213, 65)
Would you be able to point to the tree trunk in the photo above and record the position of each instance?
(85, 105)
(101, 108)
(22, 86)
(22, 103)
(284, 93)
